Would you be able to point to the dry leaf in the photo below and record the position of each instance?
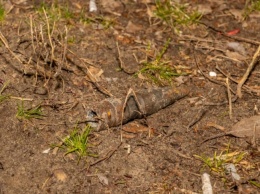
(237, 13)
(235, 55)
(236, 46)
(254, 15)
(146, 1)
(134, 127)
(103, 179)
(217, 2)
(60, 175)
(124, 39)
(180, 80)
(77, 5)
(132, 28)
(111, 5)
(96, 72)
(140, 76)
(247, 127)
(204, 9)
(128, 136)
(150, 11)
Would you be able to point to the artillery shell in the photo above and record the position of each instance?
(109, 112)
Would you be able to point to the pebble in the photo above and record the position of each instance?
(40, 90)
(60, 175)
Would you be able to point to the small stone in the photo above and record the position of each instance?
(40, 90)
(46, 151)
(1, 166)
(212, 74)
(60, 175)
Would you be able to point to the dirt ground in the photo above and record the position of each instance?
(72, 66)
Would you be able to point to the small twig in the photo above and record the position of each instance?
(52, 124)
(179, 190)
(49, 35)
(31, 28)
(65, 45)
(4, 87)
(231, 37)
(107, 156)
(20, 98)
(181, 154)
(197, 64)
(20, 5)
(254, 61)
(198, 117)
(225, 74)
(247, 88)
(215, 137)
(210, 124)
(41, 34)
(214, 81)
(256, 111)
(73, 106)
(220, 103)
(254, 136)
(89, 74)
(45, 182)
(8, 48)
(229, 58)
(229, 98)
(193, 38)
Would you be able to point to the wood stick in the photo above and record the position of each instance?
(254, 61)
(229, 98)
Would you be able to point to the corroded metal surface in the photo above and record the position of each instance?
(109, 112)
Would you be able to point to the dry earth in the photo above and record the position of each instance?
(89, 56)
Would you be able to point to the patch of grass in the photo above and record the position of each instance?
(3, 97)
(174, 14)
(23, 113)
(71, 40)
(218, 161)
(251, 6)
(2, 13)
(255, 183)
(78, 142)
(158, 70)
(106, 22)
(98, 20)
(55, 11)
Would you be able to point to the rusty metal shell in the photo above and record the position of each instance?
(108, 113)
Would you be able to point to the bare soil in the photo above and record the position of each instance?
(159, 158)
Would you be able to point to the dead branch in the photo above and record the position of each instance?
(198, 117)
(91, 77)
(108, 155)
(49, 33)
(3, 39)
(254, 61)
(245, 87)
(229, 98)
(214, 81)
